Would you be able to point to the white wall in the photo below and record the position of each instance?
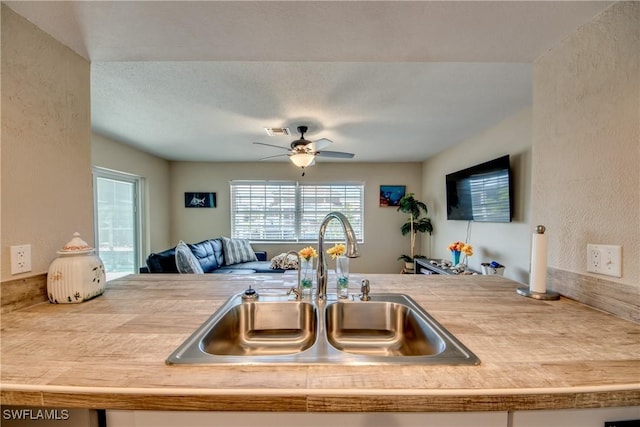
(507, 243)
(46, 137)
(110, 154)
(383, 240)
(586, 142)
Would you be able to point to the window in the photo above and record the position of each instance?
(287, 211)
(117, 221)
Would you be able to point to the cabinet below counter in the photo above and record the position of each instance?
(564, 418)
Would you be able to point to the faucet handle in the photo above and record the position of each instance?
(297, 292)
(365, 288)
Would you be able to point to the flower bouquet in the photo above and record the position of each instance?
(306, 269)
(457, 248)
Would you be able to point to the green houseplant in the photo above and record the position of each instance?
(416, 223)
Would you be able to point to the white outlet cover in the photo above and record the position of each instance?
(604, 259)
(20, 259)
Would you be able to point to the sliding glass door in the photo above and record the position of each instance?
(117, 221)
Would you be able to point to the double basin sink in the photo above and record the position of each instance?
(388, 329)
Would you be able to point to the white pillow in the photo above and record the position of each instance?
(237, 250)
(284, 262)
(186, 261)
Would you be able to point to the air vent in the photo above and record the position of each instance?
(277, 131)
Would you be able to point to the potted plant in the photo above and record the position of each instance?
(415, 224)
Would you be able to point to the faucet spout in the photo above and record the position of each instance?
(351, 249)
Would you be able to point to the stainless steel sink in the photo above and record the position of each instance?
(381, 328)
(389, 329)
(262, 328)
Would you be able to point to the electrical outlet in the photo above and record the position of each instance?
(604, 259)
(20, 259)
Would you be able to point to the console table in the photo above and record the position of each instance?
(424, 266)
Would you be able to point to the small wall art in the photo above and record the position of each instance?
(390, 195)
(199, 200)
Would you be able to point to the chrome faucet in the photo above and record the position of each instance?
(298, 289)
(351, 249)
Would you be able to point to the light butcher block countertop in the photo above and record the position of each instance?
(110, 353)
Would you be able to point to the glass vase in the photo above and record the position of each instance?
(306, 276)
(342, 277)
(456, 257)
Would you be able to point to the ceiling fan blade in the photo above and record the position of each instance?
(271, 145)
(319, 144)
(271, 157)
(336, 154)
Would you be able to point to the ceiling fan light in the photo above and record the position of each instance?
(302, 160)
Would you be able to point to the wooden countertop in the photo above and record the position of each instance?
(109, 353)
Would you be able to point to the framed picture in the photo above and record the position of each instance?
(390, 195)
(199, 200)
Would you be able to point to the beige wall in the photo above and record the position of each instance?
(110, 154)
(383, 240)
(586, 142)
(46, 154)
(507, 243)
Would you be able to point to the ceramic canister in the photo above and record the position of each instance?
(76, 275)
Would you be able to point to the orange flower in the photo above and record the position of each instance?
(461, 247)
(337, 250)
(307, 253)
(467, 250)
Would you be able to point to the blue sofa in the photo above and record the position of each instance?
(210, 255)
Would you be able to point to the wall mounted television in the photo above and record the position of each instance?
(481, 193)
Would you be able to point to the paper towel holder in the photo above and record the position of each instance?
(546, 295)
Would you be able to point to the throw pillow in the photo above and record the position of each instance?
(284, 262)
(237, 250)
(186, 262)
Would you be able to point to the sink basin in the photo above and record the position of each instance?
(381, 328)
(389, 329)
(251, 332)
(265, 328)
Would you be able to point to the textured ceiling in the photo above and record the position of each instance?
(386, 80)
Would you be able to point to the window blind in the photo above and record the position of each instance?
(288, 211)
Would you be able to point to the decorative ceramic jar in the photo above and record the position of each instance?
(76, 275)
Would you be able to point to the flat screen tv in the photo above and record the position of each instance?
(481, 193)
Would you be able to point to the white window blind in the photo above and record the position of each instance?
(288, 211)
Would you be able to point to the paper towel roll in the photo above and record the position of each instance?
(538, 277)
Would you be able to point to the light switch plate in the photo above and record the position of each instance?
(604, 259)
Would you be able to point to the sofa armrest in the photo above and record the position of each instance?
(163, 262)
(261, 255)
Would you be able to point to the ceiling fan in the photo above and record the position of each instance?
(303, 152)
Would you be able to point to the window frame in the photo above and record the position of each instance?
(139, 189)
(299, 207)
